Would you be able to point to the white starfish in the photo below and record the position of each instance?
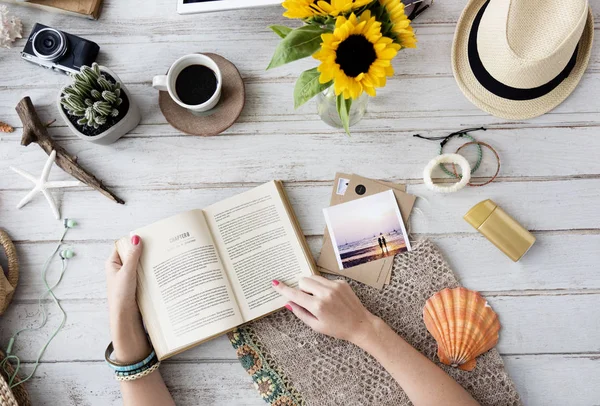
(43, 185)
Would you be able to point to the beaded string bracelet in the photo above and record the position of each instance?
(479, 143)
(136, 370)
(474, 168)
(140, 375)
(459, 134)
(139, 369)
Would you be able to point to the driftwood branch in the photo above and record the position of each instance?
(35, 131)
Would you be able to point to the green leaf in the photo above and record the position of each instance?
(109, 96)
(81, 88)
(308, 86)
(69, 90)
(102, 108)
(89, 73)
(104, 84)
(298, 44)
(281, 30)
(100, 120)
(74, 99)
(343, 108)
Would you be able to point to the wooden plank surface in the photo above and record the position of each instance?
(533, 203)
(92, 384)
(525, 153)
(226, 383)
(549, 181)
(269, 101)
(553, 268)
(253, 53)
(555, 318)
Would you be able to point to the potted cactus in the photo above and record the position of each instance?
(97, 107)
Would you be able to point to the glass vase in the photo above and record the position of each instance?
(327, 110)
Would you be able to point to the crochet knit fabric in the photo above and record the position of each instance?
(292, 365)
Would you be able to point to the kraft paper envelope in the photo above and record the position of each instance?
(337, 198)
(374, 273)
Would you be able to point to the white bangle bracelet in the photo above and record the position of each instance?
(447, 159)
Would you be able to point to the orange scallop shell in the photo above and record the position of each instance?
(463, 324)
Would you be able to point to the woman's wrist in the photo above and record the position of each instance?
(130, 348)
(378, 338)
(369, 332)
(129, 338)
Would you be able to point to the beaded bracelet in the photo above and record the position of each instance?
(138, 370)
(444, 141)
(475, 167)
(131, 372)
(497, 159)
(125, 367)
(139, 375)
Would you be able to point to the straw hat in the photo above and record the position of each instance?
(519, 59)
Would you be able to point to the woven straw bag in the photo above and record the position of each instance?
(8, 284)
(6, 396)
(8, 281)
(17, 396)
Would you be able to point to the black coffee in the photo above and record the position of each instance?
(195, 84)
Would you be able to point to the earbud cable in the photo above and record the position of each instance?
(42, 309)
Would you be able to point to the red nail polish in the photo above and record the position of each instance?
(275, 282)
(289, 307)
(135, 240)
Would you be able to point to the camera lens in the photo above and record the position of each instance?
(49, 44)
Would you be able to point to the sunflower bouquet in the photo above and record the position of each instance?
(354, 41)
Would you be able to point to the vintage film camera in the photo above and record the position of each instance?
(58, 50)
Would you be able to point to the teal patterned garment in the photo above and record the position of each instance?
(271, 386)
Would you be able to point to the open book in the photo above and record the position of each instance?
(204, 272)
(81, 8)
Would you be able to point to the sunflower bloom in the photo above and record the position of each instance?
(311, 8)
(356, 56)
(402, 29)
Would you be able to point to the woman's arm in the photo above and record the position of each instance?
(332, 308)
(127, 331)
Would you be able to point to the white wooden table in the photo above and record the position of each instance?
(550, 180)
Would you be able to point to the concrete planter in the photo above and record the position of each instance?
(129, 122)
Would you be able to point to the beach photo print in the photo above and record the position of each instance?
(366, 229)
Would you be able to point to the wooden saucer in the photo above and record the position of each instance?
(220, 118)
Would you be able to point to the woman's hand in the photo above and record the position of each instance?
(329, 307)
(127, 330)
(332, 308)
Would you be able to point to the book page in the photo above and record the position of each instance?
(182, 275)
(258, 243)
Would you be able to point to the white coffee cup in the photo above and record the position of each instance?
(167, 82)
